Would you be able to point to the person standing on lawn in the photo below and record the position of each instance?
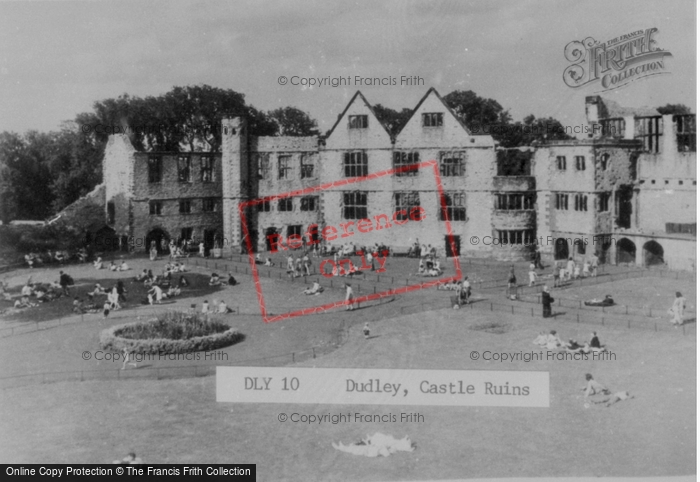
(546, 302)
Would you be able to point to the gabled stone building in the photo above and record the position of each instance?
(626, 194)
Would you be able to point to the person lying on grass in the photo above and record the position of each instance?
(316, 289)
(614, 398)
(607, 301)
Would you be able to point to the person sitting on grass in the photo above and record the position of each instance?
(183, 282)
(27, 290)
(98, 263)
(99, 290)
(29, 259)
(173, 291)
(541, 339)
(142, 276)
(77, 306)
(231, 280)
(123, 266)
(150, 279)
(215, 280)
(24, 303)
(269, 263)
(223, 309)
(553, 341)
(594, 345)
(316, 289)
(112, 266)
(205, 307)
(593, 387)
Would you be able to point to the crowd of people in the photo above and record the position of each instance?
(35, 259)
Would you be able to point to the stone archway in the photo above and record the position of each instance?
(561, 249)
(157, 235)
(626, 252)
(653, 253)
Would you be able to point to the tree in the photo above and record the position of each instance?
(478, 113)
(531, 130)
(24, 175)
(392, 119)
(183, 119)
(291, 121)
(75, 163)
(674, 109)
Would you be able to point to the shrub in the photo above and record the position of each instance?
(170, 332)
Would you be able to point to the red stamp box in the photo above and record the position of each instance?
(267, 318)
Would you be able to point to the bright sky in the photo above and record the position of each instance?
(57, 58)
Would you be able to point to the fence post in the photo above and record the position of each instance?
(512, 309)
(628, 324)
(313, 352)
(491, 306)
(577, 318)
(292, 357)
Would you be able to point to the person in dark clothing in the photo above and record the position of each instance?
(595, 342)
(121, 290)
(538, 259)
(231, 280)
(546, 302)
(64, 280)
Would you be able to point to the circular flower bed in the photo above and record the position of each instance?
(171, 332)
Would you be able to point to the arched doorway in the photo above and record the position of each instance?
(157, 235)
(561, 249)
(626, 252)
(603, 252)
(653, 253)
(269, 237)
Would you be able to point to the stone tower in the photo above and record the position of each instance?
(235, 176)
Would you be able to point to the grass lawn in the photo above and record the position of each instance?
(178, 421)
(100, 421)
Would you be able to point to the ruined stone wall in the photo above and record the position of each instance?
(667, 184)
(118, 179)
(169, 192)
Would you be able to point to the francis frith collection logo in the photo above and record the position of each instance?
(614, 63)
